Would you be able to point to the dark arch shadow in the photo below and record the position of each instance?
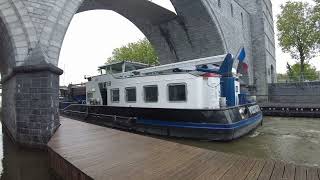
(189, 34)
(272, 74)
(7, 57)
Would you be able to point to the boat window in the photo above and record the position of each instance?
(177, 92)
(151, 93)
(115, 95)
(131, 94)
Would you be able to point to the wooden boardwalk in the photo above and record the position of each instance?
(83, 151)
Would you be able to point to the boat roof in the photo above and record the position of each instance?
(127, 63)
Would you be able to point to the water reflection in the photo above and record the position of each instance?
(295, 140)
(22, 164)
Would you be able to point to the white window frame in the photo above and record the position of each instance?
(144, 93)
(176, 84)
(111, 95)
(126, 93)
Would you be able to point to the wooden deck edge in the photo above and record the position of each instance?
(64, 169)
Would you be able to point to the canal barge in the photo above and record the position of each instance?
(192, 99)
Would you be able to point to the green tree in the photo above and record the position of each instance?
(294, 72)
(297, 32)
(316, 19)
(140, 51)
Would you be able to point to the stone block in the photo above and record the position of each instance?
(30, 106)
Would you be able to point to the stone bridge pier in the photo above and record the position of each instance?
(32, 32)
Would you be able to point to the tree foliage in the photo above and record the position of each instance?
(141, 51)
(309, 72)
(297, 32)
(316, 19)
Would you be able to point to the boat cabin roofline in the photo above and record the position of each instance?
(120, 75)
(136, 68)
(121, 67)
(122, 62)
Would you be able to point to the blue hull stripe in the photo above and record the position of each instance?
(236, 125)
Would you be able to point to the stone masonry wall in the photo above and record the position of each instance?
(30, 108)
(263, 45)
(37, 107)
(307, 93)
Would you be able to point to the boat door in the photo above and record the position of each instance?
(104, 93)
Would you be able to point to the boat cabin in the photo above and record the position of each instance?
(184, 85)
(190, 99)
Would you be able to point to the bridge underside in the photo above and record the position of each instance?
(175, 37)
(32, 34)
(139, 9)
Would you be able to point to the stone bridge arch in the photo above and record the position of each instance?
(189, 34)
(32, 34)
(17, 38)
(18, 35)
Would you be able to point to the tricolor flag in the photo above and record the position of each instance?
(241, 57)
(245, 68)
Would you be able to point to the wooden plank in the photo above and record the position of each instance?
(80, 150)
(245, 169)
(215, 164)
(312, 174)
(256, 170)
(267, 170)
(289, 172)
(225, 167)
(125, 157)
(301, 173)
(239, 170)
(229, 174)
(185, 170)
(194, 168)
(155, 166)
(278, 171)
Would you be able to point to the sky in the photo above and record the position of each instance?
(283, 58)
(93, 35)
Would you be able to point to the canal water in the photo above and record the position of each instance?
(22, 164)
(295, 140)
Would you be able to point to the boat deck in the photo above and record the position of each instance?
(84, 151)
